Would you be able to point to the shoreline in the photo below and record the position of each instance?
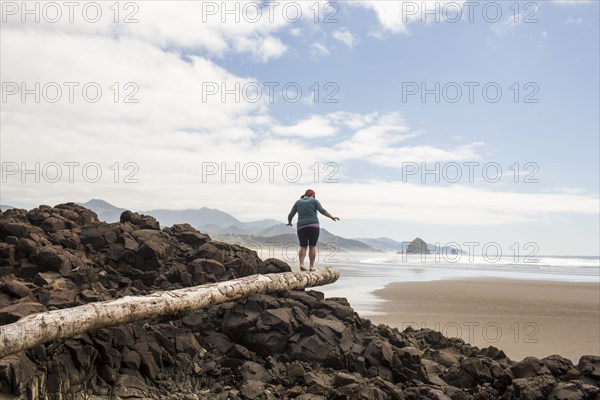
(521, 317)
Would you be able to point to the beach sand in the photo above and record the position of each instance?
(523, 318)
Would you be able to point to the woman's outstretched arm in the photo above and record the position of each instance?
(326, 213)
(292, 213)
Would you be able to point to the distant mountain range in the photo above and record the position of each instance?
(225, 227)
(327, 240)
(199, 217)
(385, 244)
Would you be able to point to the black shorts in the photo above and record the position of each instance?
(308, 236)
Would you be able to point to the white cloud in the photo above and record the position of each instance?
(453, 205)
(191, 26)
(573, 21)
(262, 49)
(296, 32)
(375, 139)
(352, 120)
(344, 36)
(319, 49)
(312, 127)
(507, 25)
(395, 16)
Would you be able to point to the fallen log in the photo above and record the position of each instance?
(36, 329)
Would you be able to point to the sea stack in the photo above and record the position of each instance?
(417, 246)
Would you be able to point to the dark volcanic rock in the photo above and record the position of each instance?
(16, 311)
(534, 387)
(273, 266)
(558, 366)
(589, 366)
(529, 367)
(58, 298)
(140, 221)
(16, 289)
(186, 234)
(7, 254)
(66, 238)
(95, 235)
(150, 256)
(16, 373)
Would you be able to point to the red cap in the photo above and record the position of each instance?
(310, 192)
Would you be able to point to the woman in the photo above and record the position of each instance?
(308, 225)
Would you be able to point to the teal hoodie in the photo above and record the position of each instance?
(306, 208)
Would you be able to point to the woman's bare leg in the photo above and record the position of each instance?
(302, 256)
(312, 255)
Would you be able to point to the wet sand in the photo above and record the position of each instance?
(522, 317)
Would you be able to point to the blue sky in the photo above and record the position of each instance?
(559, 54)
(373, 54)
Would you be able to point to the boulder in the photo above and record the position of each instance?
(273, 266)
(483, 370)
(252, 389)
(318, 383)
(25, 247)
(15, 312)
(567, 391)
(54, 223)
(529, 367)
(148, 364)
(92, 234)
(131, 359)
(17, 229)
(534, 387)
(58, 298)
(139, 220)
(66, 238)
(56, 259)
(82, 354)
(189, 237)
(150, 255)
(558, 366)
(343, 379)
(76, 213)
(251, 371)
(52, 279)
(277, 318)
(204, 270)
(379, 352)
(16, 373)
(455, 376)
(431, 338)
(590, 366)
(16, 289)
(131, 387)
(7, 254)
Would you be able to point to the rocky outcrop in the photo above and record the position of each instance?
(295, 344)
(417, 246)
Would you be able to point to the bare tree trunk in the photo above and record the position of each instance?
(43, 327)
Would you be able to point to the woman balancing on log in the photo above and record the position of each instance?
(308, 225)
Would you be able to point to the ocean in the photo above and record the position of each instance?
(363, 273)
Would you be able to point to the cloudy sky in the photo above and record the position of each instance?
(457, 122)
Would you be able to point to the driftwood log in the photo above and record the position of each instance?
(43, 327)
